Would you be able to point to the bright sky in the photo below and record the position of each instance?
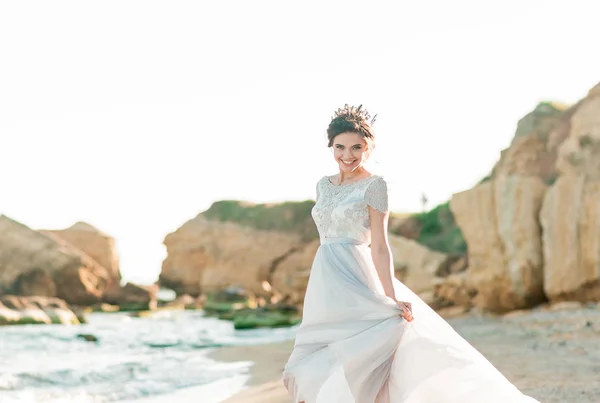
(134, 116)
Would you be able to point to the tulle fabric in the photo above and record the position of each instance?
(354, 347)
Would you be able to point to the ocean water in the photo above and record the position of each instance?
(153, 359)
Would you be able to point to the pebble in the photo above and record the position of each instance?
(551, 354)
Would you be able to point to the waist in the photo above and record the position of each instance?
(328, 241)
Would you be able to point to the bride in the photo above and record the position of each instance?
(358, 341)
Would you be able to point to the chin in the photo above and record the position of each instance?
(348, 168)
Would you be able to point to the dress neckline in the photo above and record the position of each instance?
(349, 184)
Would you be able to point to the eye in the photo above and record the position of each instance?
(339, 146)
(357, 147)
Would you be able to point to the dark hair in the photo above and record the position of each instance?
(351, 119)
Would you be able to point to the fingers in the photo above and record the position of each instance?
(406, 310)
(407, 314)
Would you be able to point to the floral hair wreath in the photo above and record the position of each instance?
(355, 114)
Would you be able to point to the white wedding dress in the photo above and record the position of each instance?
(353, 346)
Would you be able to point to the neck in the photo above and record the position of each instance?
(349, 176)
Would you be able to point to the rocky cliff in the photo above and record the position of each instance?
(570, 214)
(234, 244)
(43, 264)
(533, 228)
(79, 265)
(94, 243)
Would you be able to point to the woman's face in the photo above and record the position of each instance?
(350, 151)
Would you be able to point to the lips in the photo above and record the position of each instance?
(348, 162)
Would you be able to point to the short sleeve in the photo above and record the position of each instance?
(318, 189)
(376, 195)
(318, 192)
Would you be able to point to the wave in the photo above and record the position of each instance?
(131, 358)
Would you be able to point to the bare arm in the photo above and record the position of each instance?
(376, 198)
(380, 250)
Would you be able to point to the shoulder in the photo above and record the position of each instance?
(376, 193)
(330, 178)
(377, 182)
(322, 181)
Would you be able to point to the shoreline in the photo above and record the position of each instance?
(550, 354)
(220, 389)
(264, 382)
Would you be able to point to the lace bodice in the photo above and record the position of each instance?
(342, 211)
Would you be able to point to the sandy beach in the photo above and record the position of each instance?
(264, 383)
(550, 353)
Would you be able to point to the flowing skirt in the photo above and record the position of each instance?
(353, 346)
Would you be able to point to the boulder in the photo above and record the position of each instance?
(416, 265)
(35, 282)
(35, 263)
(290, 276)
(132, 297)
(15, 310)
(96, 244)
(454, 290)
(185, 301)
(234, 244)
(407, 226)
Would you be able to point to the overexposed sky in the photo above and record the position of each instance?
(134, 116)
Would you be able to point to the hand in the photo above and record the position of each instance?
(406, 310)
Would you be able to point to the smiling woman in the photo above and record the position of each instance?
(358, 341)
(351, 137)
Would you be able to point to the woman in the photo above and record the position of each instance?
(358, 341)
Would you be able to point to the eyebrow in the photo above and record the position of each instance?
(357, 144)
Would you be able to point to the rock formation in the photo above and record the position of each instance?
(15, 310)
(417, 266)
(290, 276)
(570, 215)
(94, 243)
(131, 297)
(533, 228)
(234, 244)
(43, 264)
(499, 222)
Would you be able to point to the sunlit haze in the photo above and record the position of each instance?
(135, 116)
